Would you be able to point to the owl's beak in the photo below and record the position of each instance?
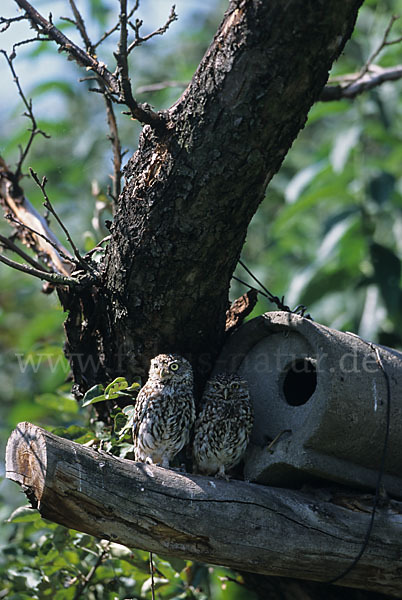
(164, 373)
(225, 393)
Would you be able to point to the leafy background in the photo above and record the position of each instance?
(329, 236)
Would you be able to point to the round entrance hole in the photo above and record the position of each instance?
(300, 381)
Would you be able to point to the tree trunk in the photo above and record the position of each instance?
(241, 525)
(192, 190)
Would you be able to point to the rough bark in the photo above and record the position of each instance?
(245, 526)
(190, 192)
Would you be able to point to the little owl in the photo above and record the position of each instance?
(222, 429)
(164, 410)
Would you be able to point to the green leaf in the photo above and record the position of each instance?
(119, 421)
(344, 143)
(93, 395)
(301, 180)
(118, 384)
(134, 387)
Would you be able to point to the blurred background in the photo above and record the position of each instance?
(328, 235)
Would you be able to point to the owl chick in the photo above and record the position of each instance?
(164, 410)
(222, 429)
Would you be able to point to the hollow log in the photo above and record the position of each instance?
(246, 526)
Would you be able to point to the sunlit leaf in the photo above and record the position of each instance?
(93, 395)
(117, 385)
(344, 143)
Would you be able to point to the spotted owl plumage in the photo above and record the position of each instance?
(164, 410)
(223, 427)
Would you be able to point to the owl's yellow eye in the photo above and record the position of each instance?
(235, 386)
(174, 367)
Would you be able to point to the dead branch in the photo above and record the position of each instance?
(118, 85)
(245, 526)
(111, 118)
(9, 245)
(7, 21)
(160, 31)
(31, 228)
(35, 130)
(48, 205)
(116, 26)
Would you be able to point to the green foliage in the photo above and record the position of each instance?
(328, 235)
(45, 560)
(329, 232)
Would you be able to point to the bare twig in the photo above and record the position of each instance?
(118, 84)
(111, 118)
(350, 86)
(28, 41)
(48, 205)
(160, 31)
(116, 26)
(47, 239)
(54, 278)
(34, 130)
(383, 44)
(79, 23)
(80, 56)
(7, 243)
(6, 21)
(142, 112)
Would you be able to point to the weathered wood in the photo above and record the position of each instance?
(244, 526)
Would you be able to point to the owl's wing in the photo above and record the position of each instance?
(145, 396)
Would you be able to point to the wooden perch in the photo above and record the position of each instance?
(241, 525)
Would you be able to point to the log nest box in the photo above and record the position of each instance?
(324, 397)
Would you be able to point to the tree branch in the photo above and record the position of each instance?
(286, 533)
(118, 88)
(160, 31)
(32, 229)
(7, 243)
(48, 205)
(353, 85)
(54, 278)
(34, 131)
(111, 118)
(140, 112)
(79, 55)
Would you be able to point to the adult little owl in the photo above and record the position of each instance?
(222, 429)
(164, 410)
